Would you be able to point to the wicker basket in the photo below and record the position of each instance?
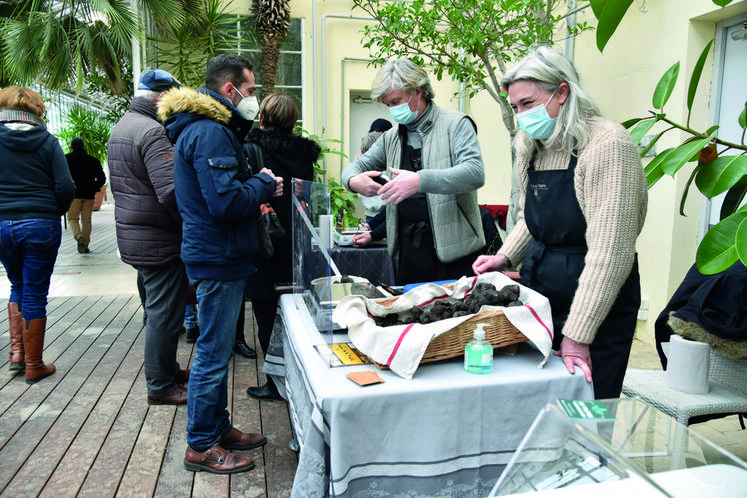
(499, 333)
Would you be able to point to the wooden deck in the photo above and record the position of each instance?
(87, 430)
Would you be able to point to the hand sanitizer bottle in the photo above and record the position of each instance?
(478, 354)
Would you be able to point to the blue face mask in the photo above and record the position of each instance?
(537, 122)
(402, 114)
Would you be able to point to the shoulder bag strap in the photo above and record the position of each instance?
(259, 157)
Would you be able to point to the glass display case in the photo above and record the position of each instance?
(617, 447)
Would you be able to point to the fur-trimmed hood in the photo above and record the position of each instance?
(185, 99)
(182, 106)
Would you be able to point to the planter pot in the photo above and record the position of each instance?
(99, 198)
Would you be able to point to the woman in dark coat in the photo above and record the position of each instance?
(290, 156)
(36, 189)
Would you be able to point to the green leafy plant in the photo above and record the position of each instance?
(471, 41)
(340, 199)
(91, 128)
(59, 44)
(186, 44)
(721, 165)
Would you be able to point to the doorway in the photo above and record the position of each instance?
(363, 112)
(729, 95)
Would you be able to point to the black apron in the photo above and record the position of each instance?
(553, 264)
(417, 259)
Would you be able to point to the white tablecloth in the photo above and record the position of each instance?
(444, 433)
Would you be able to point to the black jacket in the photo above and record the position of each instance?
(87, 174)
(289, 156)
(34, 179)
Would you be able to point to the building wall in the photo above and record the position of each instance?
(652, 37)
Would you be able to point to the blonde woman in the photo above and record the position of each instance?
(584, 199)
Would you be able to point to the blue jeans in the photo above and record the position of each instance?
(165, 289)
(28, 250)
(190, 316)
(218, 303)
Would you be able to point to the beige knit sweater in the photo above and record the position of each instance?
(612, 192)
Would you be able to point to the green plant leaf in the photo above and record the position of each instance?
(721, 174)
(722, 3)
(653, 170)
(718, 249)
(687, 188)
(684, 154)
(641, 129)
(741, 241)
(609, 13)
(666, 85)
(653, 141)
(631, 122)
(743, 117)
(695, 77)
(734, 198)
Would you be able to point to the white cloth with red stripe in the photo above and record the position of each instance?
(401, 347)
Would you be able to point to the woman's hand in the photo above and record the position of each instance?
(362, 239)
(575, 354)
(484, 264)
(405, 184)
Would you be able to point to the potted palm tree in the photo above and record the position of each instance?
(95, 132)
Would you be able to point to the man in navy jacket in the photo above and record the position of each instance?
(218, 200)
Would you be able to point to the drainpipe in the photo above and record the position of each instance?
(136, 62)
(324, 57)
(343, 99)
(462, 89)
(570, 42)
(323, 66)
(314, 66)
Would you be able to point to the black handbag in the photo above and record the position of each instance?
(269, 221)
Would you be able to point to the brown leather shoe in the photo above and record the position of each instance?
(237, 440)
(216, 460)
(177, 396)
(182, 376)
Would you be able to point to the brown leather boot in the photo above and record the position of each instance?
(15, 320)
(33, 342)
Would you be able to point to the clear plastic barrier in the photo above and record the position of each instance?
(312, 263)
(637, 450)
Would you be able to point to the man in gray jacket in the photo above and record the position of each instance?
(433, 158)
(149, 231)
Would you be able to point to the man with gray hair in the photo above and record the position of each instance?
(149, 231)
(433, 158)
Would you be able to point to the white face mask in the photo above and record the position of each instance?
(249, 106)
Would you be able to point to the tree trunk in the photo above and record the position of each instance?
(270, 56)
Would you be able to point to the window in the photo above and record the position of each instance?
(288, 78)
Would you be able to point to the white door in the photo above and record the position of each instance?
(363, 112)
(729, 94)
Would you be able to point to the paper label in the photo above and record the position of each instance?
(341, 354)
(585, 409)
